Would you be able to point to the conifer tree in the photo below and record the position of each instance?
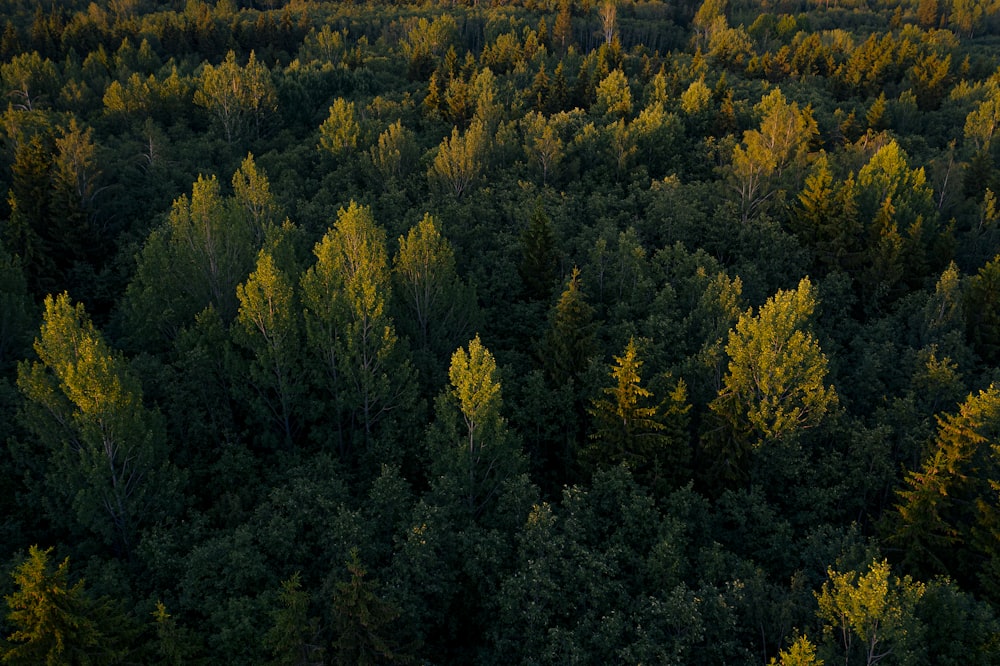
(630, 427)
(943, 504)
(982, 308)
(539, 263)
(55, 622)
(362, 621)
(570, 341)
(292, 638)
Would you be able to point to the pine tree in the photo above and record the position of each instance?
(539, 262)
(292, 638)
(982, 308)
(55, 622)
(941, 505)
(362, 622)
(627, 425)
(570, 341)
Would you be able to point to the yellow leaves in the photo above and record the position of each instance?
(777, 369)
(86, 371)
(340, 131)
(459, 159)
(474, 382)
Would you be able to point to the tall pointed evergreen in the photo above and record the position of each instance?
(539, 259)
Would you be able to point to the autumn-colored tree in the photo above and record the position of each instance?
(871, 614)
(268, 326)
(782, 141)
(440, 307)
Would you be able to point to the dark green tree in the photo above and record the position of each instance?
(362, 622)
(293, 638)
(982, 311)
(571, 339)
(945, 523)
(539, 259)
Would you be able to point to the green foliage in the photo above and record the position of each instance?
(267, 325)
(945, 521)
(693, 160)
(870, 614)
(570, 341)
(982, 312)
(539, 262)
(775, 386)
(193, 261)
(55, 622)
(340, 131)
(472, 451)
(631, 429)
(292, 638)
(349, 328)
(439, 306)
(362, 622)
(107, 459)
(241, 98)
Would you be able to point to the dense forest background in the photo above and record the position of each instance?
(547, 331)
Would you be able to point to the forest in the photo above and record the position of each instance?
(500, 332)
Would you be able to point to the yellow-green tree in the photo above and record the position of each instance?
(240, 97)
(439, 305)
(54, 621)
(253, 198)
(394, 154)
(267, 325)
(631, 427)
(107, 458)
(871, 614)
(775, 385)
(473, 452)
(460, 159)
(340, 131)
(195, 260)
(801, 652)
(348, 324)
